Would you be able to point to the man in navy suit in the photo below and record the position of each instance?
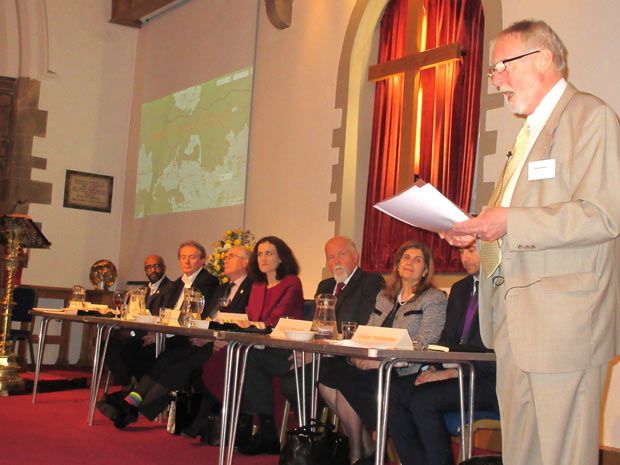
(131, 353)
(415, 419)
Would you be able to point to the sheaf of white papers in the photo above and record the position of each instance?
(424, 207)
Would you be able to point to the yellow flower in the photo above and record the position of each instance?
(217, 267)
(237, 242)
(228, 232)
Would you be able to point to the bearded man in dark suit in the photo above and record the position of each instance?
(131, 353)
(355, 290)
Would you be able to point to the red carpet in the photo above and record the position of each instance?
(54, 431)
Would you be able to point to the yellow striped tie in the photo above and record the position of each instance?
(490, 253)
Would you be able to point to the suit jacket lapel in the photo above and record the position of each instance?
(542, 147)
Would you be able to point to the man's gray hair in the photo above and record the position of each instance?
(534, 35)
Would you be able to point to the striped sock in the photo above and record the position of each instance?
(134, 399)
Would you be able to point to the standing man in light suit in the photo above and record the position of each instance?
(549, 292)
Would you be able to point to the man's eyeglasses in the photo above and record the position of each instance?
(156, 266)
(232, 255)
(500, 66)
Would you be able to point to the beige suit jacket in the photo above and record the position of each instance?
(561, 254)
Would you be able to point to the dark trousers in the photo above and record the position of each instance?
(262, 365)
(176, 366)
(415, 418)
(127, 356)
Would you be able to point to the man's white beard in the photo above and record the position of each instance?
(340, 274)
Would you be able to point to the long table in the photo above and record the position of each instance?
(239, 345)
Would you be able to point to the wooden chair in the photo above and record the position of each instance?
(486, 430)
(24, 298)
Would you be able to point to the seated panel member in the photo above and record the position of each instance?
(159, 285)
(128, 355)
(181, 359)
(410, 301)
(192, 257)
(356, 292)
(416, 411)
(276, 293)
(237, 291)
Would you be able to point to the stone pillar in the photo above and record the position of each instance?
(20, 121)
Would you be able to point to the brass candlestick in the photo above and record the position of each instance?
(15, 231)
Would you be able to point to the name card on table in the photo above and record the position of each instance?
(290, 324)
(384, 338)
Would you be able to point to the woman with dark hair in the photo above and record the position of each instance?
(349, 386)
(276, 293)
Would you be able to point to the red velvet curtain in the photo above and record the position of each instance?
(449, 131)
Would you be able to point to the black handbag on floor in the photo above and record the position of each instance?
(183, 409)
(315, 444)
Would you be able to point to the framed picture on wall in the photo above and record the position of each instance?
(88, 191)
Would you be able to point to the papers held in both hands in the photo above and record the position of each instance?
(423, 206)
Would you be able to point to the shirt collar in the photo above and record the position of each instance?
(547, 104)
(154, 286)
(189, 280)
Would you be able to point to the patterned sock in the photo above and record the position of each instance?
(134, 399)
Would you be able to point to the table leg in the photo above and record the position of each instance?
(42, 332)
(230, 350)
(297, 390)
(94, 388)
(380, 418)
(472, 377)
(93, 379)
(316, 366)
(464, 447)
(237, 400)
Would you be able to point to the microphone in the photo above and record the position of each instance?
(509, 154)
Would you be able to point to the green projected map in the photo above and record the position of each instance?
(193, 147)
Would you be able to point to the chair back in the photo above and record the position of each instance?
(24, 298)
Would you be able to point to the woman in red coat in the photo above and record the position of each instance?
(276, 293)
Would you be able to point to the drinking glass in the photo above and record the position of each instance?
(348, 329)
(163, 316)
(222, 304)
(119, 299)
(123, 311)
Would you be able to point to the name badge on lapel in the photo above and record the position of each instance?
(541, 169)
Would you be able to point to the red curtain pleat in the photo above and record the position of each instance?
(449, 131)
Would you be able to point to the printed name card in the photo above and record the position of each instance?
(290, 324)
(378, 337)
(232, 317)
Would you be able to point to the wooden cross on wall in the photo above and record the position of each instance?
(410, 65)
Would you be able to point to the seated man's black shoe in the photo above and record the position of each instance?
(109, 409)
(211, 434)
(244, 430)
(266, 441)
(197, 428)
(259, 445)
(127, 414)
(115, 398)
